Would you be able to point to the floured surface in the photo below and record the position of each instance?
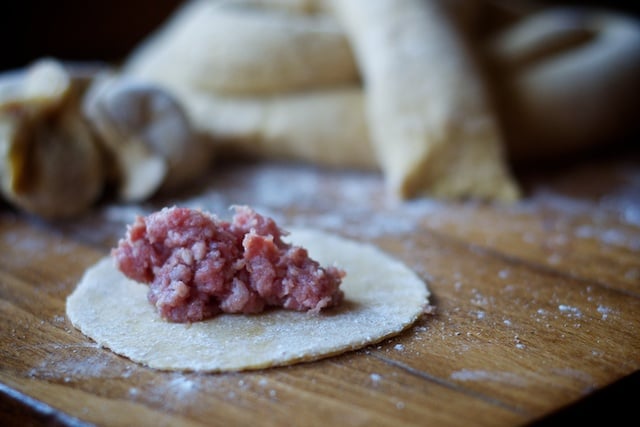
(382, 297)
(516, 336)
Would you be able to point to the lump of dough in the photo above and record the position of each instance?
(50, 162)
(568, 80)
(145, 130)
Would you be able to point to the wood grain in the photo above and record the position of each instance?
(537, 307)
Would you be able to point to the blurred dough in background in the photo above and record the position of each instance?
(443, 97)
(233, 47)
(432, 129)
(561, 80)
(50, 161)
(567, 79)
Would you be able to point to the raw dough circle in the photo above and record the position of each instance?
(382, 298)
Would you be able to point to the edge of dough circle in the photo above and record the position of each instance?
(383, 297)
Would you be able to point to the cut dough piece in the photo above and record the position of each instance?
(382, 298)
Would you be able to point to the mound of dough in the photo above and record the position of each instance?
(382, 298)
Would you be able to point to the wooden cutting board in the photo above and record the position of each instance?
(538, 307)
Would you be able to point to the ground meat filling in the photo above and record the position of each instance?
(197, 265)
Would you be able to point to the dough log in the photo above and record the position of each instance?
(324, 127)
(240, 49)
(430, 121)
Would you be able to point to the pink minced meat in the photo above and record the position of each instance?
(197, 265)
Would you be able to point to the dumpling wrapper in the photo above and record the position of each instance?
(382, 298)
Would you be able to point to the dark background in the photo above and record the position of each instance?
(82, 30)
(87, 30)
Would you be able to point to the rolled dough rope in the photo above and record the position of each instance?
(431, 124)
(571, 80)
(233, 48)
(324, 127)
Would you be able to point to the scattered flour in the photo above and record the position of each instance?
(182, 385)
(479, 314)
(574, 373)
(554, 259)
(484, 375)
(365, 211)
(609, 236)
(518, 343)
(64, 366)
(479, 299)
(570, 310)
(604, 311)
